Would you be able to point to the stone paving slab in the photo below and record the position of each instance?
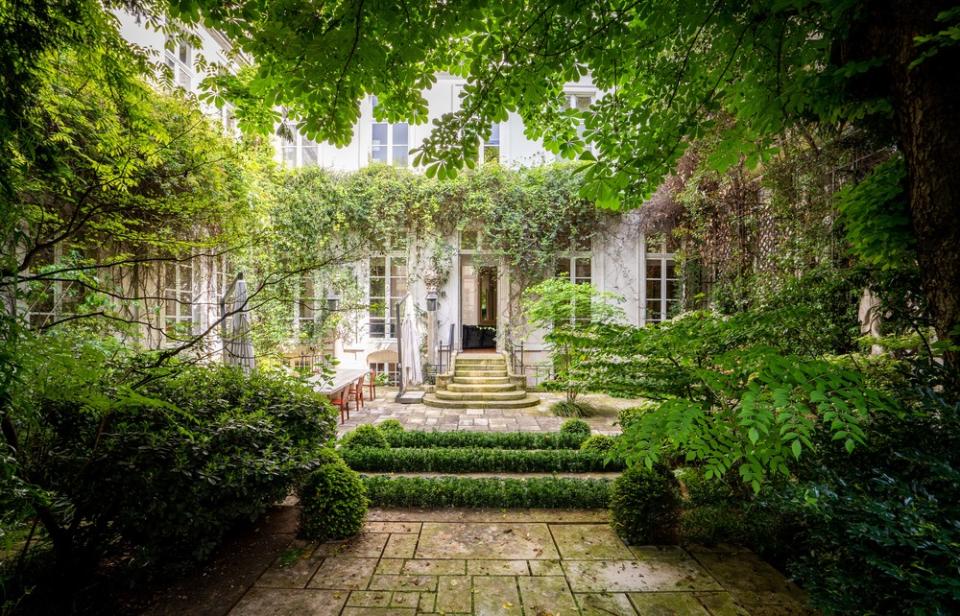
(514, 568)
(589, 541)
(554, 516)
(532, 419)
(547, 595)
(284, 602)
(605, 604)
(485, 540)
(636, 576)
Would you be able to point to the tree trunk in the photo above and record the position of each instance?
(926, 102)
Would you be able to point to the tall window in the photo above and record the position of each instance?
(49, 301)
(299, 151)
(579, 102)
(490, 147)
(388, 285)
(180, 61)
(389, 143)
(662, 288)
(577, 267)
(306, 303)
(178, 297)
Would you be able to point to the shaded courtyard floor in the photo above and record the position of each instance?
(409, 562)
(533, 419)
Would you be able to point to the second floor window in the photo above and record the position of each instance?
(297, 150)
(490, 147)
(389, 143)
(388, 285)
(180, 61)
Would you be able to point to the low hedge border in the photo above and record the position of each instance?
(538, 492)
(477, 460)
(484, 440)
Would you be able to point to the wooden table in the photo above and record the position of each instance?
(342, 379)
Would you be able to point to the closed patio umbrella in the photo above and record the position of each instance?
(410, 345)
(237, 342)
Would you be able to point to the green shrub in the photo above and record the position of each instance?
(884, 520)
(390, 425)
(598, 444)
(698, 490)
(575, 426)
(333, 503)
(723, 511)
(365, 435)
(644, 505)
(539, 492)
(159, 475)
(572, 408)
(627, 417)
(477, 460)
(486, 440)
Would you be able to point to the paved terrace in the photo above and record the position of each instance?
(534, 419)
(533, 563)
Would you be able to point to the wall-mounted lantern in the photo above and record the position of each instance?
(432, 301)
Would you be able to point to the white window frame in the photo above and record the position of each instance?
(173, 323)
(58, 290)
(299, 144)
(389, 297)
(390, 144)
(571, 97)
(664, 258)
(486, 143)
(390, 368)
(573, 255)
(299, 319)
(183, 72)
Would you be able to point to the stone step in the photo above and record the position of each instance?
(479, 356)
(462, 372)
(479, 366)
(481, 359)
(481, 380)
(481, 396)
(488, 387)
(434, 401)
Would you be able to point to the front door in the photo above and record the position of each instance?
(487, 297)
(478, 304)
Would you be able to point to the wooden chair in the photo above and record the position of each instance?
(357, 392)
(341, 400)
(372, 385)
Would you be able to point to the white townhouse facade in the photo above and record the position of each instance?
(477, 304)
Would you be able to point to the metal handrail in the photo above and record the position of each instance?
(514, 353)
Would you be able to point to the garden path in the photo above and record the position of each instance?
(409, 562)
(533, 419)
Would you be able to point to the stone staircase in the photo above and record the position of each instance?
(480, 381)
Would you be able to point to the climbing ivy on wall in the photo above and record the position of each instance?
(319, 220)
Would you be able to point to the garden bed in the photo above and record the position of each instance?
(452, 491)
(477, 460)
(480, 469)
(485, 440)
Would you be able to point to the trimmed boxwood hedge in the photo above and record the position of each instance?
(540, 492)
(485, 440)
(477, 460)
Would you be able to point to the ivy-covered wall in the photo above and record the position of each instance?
(524, 217)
